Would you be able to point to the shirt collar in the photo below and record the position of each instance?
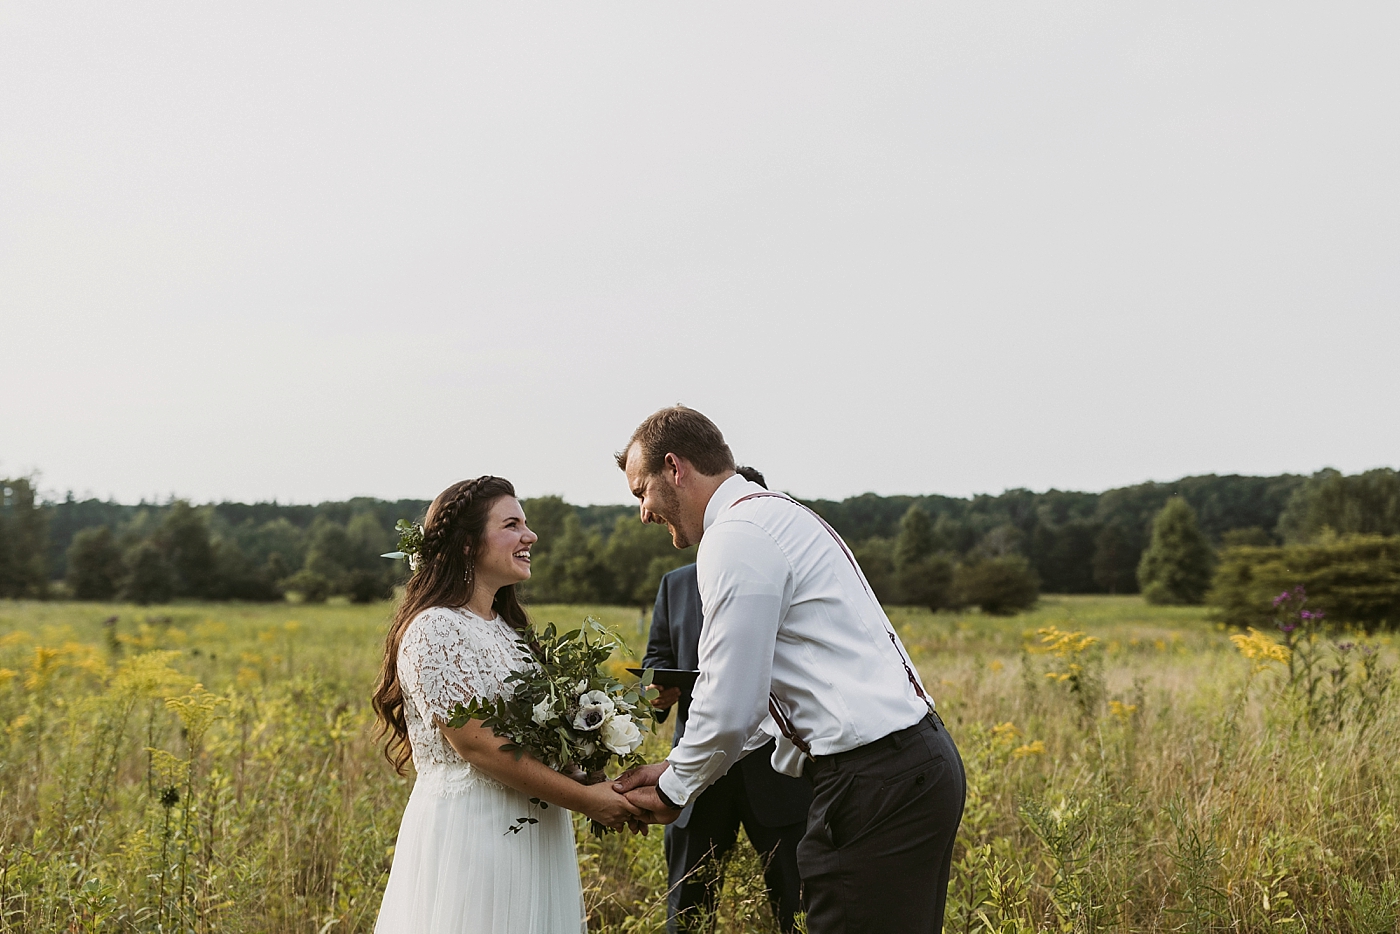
(725, 495)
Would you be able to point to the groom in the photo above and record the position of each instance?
(794, 643)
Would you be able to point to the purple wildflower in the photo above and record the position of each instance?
(1288, 627)
(1345, 646)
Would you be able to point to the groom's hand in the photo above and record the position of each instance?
(650, 802)
(639, 777)
(639, 785)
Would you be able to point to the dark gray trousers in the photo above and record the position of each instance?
(695, 857)
(879, 841)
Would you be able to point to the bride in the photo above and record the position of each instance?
(456, 636)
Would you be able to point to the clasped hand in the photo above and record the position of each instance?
(639, 785)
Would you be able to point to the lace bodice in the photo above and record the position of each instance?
(448, 656)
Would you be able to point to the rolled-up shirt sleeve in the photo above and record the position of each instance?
(746, 586)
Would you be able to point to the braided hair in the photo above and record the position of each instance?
(446, 576)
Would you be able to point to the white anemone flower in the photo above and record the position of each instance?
(594, 709)
(620, 734)
(543, 712)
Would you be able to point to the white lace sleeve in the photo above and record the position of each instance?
(447, 658)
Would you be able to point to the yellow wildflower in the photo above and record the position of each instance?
(43, 668)
(1060, 643)
(151, 675)
(170, 769)
(1260, 649)
(196, 710)
(1004, 734)
(1036, 748)
(1121, 710)
(996, 664)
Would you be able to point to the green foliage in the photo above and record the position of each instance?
(876, 559)
(149, 578)
(637, 556)
(367, 587)
(1364, 504)
(1115, 560)
(916, 540)
(23, 540)
(572, 569)
(922, 577)
(1251, 536)
(545, 711)
(1354, 579)
(999, 586)
(1176, 567)
(1057, 552)
(95, 567)
(310, 586)
(183, 539)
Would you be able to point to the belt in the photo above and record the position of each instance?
(896, 739)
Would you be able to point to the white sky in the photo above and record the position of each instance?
(310, 251)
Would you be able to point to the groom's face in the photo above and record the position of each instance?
(659, 498)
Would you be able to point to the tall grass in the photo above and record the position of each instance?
(210, 768)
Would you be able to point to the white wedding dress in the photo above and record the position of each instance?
(456, 870)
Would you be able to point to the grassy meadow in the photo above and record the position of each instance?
(210, 767)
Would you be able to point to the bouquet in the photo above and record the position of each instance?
(565, 710)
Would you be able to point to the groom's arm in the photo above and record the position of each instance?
(745, 586)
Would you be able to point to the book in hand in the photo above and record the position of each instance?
(683, 678)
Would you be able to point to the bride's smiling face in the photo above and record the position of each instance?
(504, 558)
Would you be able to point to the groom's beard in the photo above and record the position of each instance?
(670, 504)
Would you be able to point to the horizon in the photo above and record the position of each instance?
(55, 497)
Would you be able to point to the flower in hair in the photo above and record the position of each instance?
(410, 544)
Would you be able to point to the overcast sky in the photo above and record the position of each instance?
(312, 251)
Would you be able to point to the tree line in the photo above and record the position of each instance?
(996, 552)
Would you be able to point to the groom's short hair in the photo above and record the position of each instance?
(683, 432)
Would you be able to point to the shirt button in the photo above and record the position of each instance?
(919, 780)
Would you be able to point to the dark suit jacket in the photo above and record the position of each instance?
(676, 620)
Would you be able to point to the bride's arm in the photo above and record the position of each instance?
(528, 775)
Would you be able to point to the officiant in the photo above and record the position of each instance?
(796, 647)
(772, 808)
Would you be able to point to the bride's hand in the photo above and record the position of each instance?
(607, 807)
(586, 778)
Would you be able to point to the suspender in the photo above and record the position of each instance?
(775, 707)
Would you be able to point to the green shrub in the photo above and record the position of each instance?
(313, 587)
(999, 586)
(367, 587)
(95, 568)
(876, 559)
(148, 576)
(1355, 579)
(1176, 567)
(24, 529)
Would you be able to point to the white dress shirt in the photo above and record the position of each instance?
(787, 611)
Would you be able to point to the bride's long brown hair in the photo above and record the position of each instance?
(452, 533)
